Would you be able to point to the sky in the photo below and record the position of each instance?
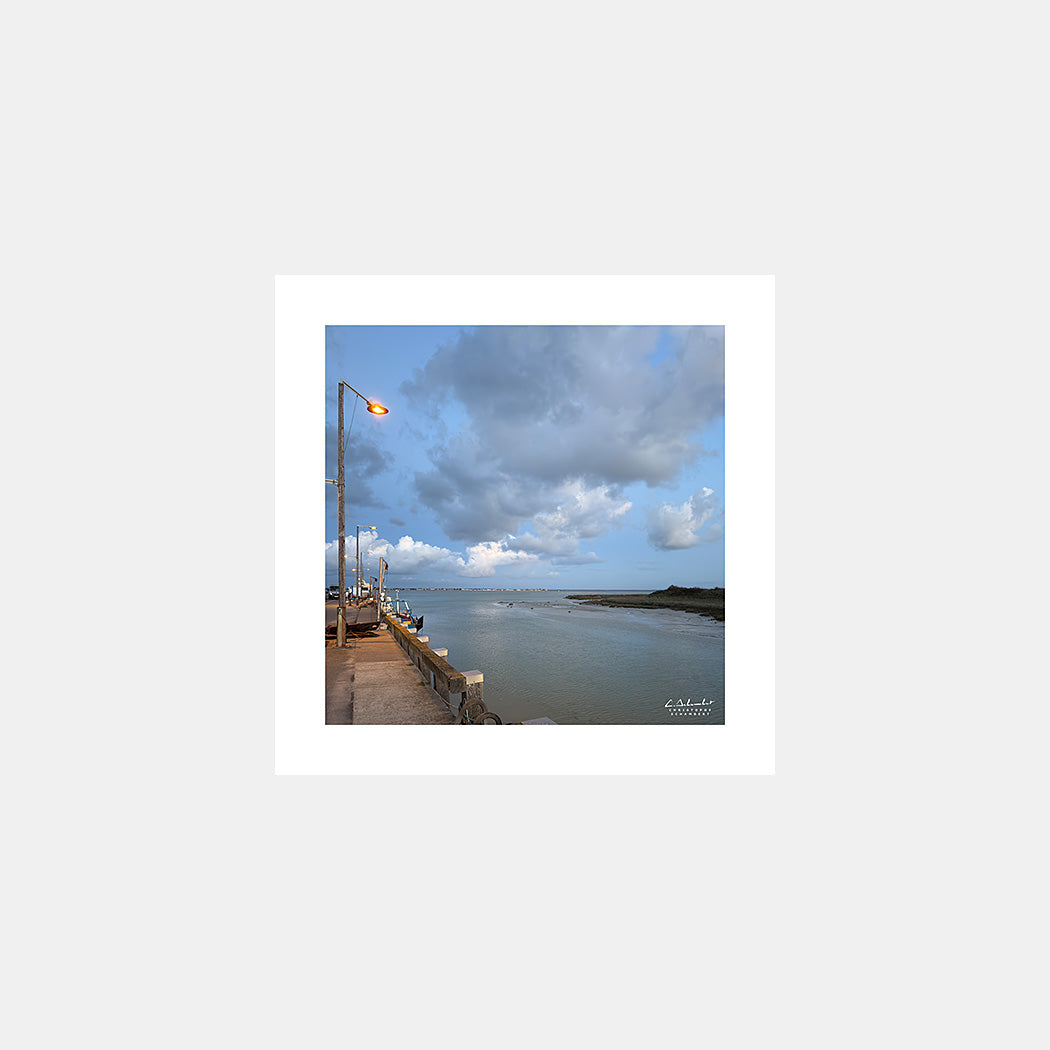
(568, 458)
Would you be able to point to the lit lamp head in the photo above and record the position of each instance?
(377, 409)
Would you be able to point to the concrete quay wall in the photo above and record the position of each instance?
(457, 688)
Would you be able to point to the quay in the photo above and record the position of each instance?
(394, 677)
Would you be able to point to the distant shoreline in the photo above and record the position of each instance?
(705, 601)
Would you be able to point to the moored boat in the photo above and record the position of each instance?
(362, 619)
(402, 612)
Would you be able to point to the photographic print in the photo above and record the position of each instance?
(524, 525)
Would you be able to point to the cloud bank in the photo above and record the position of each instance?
(409, 557)
(558, 421)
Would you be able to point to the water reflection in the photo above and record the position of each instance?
(578, 664)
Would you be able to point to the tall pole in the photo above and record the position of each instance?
(341, 615)
(378, 410)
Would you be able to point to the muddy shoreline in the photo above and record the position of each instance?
(703, 601)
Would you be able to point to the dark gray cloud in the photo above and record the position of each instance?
(363, 461)
(547, 407)
(473, 498)
(479, 509)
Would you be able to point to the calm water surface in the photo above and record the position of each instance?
(542, 654)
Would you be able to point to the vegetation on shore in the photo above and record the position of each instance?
(707, 601)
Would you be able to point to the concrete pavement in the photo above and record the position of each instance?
(372, 682)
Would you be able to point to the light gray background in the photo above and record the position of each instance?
(163, 887)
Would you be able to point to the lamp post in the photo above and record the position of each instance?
(376, 409)
(372, 528)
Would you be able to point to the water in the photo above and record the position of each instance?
(542, 654)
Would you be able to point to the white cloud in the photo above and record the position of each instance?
(483, 559)
(678, 528)
(409, 557)
(406, 556)
(582, 512)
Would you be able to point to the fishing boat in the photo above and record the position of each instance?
(364, 614)
(404, 616)
(363, 619)
(402, 612)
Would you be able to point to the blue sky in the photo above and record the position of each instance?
(586, 458)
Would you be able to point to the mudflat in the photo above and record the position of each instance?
(706, 601)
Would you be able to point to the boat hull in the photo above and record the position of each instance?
(363, 619)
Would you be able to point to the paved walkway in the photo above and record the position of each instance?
(372, 682)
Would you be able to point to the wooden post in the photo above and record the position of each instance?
(341, 615)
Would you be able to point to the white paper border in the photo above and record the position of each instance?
(304, 305)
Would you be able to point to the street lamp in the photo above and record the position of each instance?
(377, 410)
(373, 529)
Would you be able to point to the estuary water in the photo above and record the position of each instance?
(543, 654)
